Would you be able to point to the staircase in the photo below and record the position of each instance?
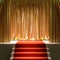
(30, 50)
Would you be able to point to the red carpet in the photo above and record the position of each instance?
(30, 50)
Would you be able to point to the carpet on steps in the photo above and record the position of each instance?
(30, 50)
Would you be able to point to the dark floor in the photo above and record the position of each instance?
(6, 49)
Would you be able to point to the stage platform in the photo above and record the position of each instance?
(6, 49)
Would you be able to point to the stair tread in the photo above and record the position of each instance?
(30, 52)
(30, 48)
(30, 58)
(30, 42)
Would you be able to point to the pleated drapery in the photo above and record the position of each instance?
(29, 21)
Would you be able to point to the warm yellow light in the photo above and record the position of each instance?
(45, 38)
(42, 38)
(32, 38)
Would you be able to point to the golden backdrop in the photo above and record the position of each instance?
(24, 20)
(29, 20)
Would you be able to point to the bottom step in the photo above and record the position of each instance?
(30, 58)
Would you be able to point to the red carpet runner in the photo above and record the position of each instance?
(30, 50)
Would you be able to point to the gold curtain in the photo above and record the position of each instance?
(25, 20)
(29, 20)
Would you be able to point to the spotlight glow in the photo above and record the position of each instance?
(45, 41)
(13, 41)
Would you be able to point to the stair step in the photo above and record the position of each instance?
(30, 45)
(31, 42)
(30, 58)
(30, 49)
(30, 53)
